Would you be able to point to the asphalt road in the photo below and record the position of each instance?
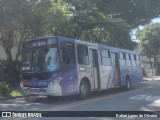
(143, 97)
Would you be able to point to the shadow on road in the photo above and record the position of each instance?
(70, 99)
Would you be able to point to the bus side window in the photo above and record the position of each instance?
(128, 60)
(82, 55)
(137, 60)
(133, 60)
(105, 58)
(122, 57)
(67, 56)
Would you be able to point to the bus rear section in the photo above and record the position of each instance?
(130, 68)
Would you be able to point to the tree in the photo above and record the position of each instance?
(61, 19)
(97, 24)
(149, 42)
(13, 30)
(134, 12)
(51, 17)
(108, 21)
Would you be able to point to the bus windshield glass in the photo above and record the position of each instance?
(40, 60)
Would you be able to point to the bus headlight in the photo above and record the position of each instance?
(55, 81)
(21, 84)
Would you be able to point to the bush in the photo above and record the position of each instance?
(7, 90)
(15, 93)
(4, 89)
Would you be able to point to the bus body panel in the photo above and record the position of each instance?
(106, 77)
(70, 82)
(36, 86)
(101, 76)
(125, 71)
(84, 72)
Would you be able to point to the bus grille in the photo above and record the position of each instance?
(36, 76)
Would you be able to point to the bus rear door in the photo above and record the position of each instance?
(95, 68)
(115, 65)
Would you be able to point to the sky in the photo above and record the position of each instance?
(155, 20)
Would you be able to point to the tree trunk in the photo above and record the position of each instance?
(157, 65)
(150, 62)
(9, 55)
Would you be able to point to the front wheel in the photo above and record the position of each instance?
(53, 98)
(84, 90)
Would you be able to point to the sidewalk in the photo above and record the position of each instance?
(151, 78)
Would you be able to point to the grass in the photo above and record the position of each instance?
(6, 91)
(15, 93)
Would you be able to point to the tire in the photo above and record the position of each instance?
(128, 84)
(84, 89)
(53, 98)
(50, 97)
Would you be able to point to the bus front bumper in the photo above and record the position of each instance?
(55, 90)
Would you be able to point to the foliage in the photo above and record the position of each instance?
(13, 30)
(7, 90)
(104, 21)
(51, 17)
(134, 12)
(15, 93)
(149, 41)
(12, 26)
(81, 19)
(4, 89)
(95, 25)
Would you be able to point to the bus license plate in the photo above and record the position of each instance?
(31, 90)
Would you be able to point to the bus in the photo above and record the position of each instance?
(61, 66)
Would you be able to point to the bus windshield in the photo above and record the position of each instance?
(40, 60)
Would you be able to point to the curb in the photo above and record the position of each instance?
(151, 78)
(9, 98)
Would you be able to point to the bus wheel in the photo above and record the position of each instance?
(84, 89)
(55, 98)
(50, 97)
(128, 83)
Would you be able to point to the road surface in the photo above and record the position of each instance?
(143, 97)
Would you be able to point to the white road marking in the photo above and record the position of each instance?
(145, 97)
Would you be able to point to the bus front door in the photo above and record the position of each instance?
(95, 69)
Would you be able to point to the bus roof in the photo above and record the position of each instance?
(85, 42)
(99, 45)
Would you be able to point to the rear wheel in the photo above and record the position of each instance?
(128, 83)
(84, 90)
